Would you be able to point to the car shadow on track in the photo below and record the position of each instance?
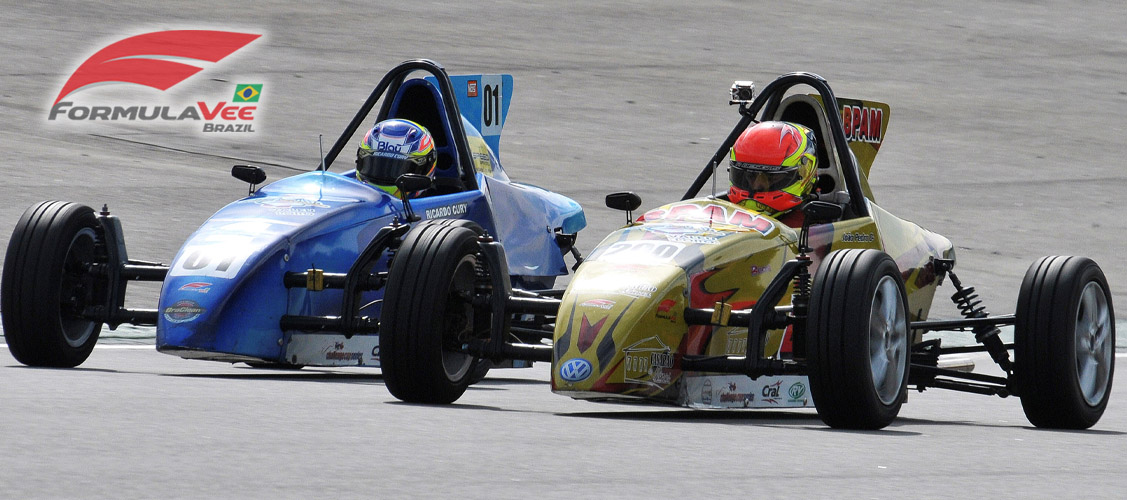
(731, 417)
(305, 375)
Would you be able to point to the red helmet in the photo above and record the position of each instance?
(772, 166)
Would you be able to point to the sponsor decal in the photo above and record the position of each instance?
(336, 352)
(197, 286)
(183, 311)
(289, 201)
(858, 237)
(666, 309)
(291, 205)
(711, 214)
(649, 362)
(471, 88)
(706, 392)
(599, 303)
(732, 395)
(639, 290)
(575, 370)
(862, 123)
(737, 342)
(447, 211)
(693, 239)
(160, 60)
(757, 270)
(796, 393)
(687, 233)
(771, 392)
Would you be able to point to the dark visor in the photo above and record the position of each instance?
(745, 178)
(384, 170)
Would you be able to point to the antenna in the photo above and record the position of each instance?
(321, 149)
(714, 166)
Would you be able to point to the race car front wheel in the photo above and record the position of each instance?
(857, 340)
(428, 312)
(1064, 343)
(47, 285)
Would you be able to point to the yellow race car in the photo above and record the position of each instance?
(706, 304)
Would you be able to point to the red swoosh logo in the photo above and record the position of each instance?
(132, 60)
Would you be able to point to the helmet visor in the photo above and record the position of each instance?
(759, 178)
(385, 169)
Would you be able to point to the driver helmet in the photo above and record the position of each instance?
(393, 148)
(772, 166)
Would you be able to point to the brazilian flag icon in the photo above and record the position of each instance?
(248, 92)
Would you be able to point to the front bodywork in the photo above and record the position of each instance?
(619, 321)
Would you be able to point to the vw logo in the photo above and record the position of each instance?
(575, 370)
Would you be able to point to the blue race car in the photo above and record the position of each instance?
(293, 274)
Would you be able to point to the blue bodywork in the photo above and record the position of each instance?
(223, 297)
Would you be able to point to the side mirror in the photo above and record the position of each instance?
(624, 200)
(822, 211)
(248, 174)
(412, 183)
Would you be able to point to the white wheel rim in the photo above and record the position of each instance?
(1094, 349)
(888, 341)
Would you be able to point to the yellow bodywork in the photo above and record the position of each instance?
(620, 331)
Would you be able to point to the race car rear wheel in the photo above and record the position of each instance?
(47, 284)
(428, 312)
(857, 340)
(1064, 343)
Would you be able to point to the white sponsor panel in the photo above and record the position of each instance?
(333, 350)
(740, 391)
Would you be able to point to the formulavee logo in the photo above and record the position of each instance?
(133, 60)
(155, 60)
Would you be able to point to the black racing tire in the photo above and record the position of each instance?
(46, 285)
(1064, 343)
(857, 340)
(427, 313)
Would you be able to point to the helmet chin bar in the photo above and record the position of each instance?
(777, 199)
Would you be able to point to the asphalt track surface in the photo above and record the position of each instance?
(1005, 136)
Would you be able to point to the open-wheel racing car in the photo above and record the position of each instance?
(293, 274)
(706, 304)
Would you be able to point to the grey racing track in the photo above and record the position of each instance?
(1005, 136)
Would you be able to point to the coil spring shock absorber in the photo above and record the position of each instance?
(971, 308)
(800, 300)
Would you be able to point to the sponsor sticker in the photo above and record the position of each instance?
(667, 310)
(649, 362)
(575, 370)
(183, 311)
(196, 286)
(639, 290)
(599, 303)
